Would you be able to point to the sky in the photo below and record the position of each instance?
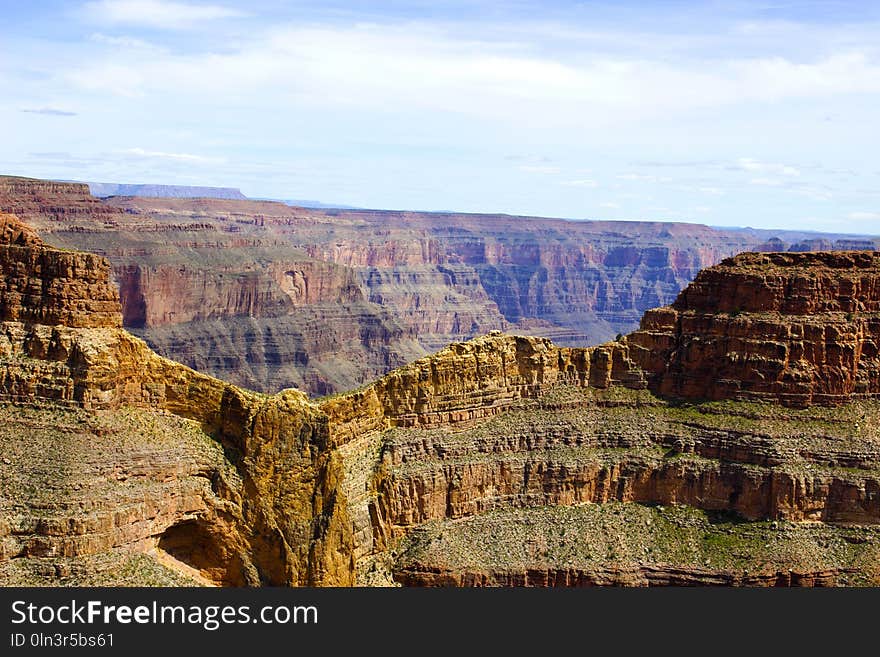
(734, 113)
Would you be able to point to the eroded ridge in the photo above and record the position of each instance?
(725, 442)
(119, 453)
(796, 328)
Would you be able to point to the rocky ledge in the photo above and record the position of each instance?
(507, 460)
(796, 328)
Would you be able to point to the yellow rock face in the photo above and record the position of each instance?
(107, 448)
(275, 518)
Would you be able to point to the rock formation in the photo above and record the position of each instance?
(797, 328)
(248, 493)
(327, 300)
(503, 424)
(733, 439)
(48, 286)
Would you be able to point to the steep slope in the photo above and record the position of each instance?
(327, 300)
(797, 328)
(119, 453)
(505, 460)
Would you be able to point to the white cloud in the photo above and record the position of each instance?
(610, 205)
(580, 183)
(766, 182)
(156, 13)
(49, 111)
(864, 216)
(546, 170)
(162, 155)
(419, 66)
(814, 193)
(751, 164)
(124, 42)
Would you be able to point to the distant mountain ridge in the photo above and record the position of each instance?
(104, 189)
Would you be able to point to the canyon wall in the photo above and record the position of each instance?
(505, 460)
(501, 425)
(798, 328)
(732, 439)
(247, 496)
(327, 300)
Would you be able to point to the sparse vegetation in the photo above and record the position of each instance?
(625, 537)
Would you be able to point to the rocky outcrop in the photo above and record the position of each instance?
(48, 286)
(797, 328)
(469, 382)
(272, 516)
(15, 232)
(282, 522)
(188, 267)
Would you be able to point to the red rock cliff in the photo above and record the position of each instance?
(800, 328)
(47, 286)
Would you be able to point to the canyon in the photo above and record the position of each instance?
(732, 438)
(270, 296)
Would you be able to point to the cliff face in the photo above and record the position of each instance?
(44, 203)
(732, 439)
(47, 286)
(370, 288)
(244, 489)
(468, 442)
(798, 328)
(166, 295)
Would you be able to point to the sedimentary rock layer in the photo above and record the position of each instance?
(797, 328)
(187, 266)
(270, 515)
(500, 461)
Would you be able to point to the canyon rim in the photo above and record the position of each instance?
(731, 439)
(387, 296)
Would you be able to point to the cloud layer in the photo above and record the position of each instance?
(156, 13)
(617, 111)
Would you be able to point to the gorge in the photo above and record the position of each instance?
(269, 296)
(731, 438)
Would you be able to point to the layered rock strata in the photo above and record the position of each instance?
(505, 460)
(400, 284)
(247, 496)
(798, 328)
(503, 423)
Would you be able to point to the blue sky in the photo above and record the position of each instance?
(758, 114)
